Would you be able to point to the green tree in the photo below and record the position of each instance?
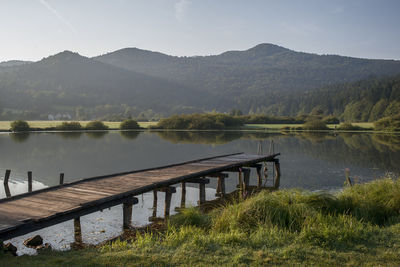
(129, 125)
(20, 126)
(96, 125)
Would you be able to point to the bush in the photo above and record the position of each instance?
(331, 120)
(347, 126)
(69, 126)
(96, 125)
(388, 124)
(129, 125)
(315, 125)
(20, 126)
(200, 122)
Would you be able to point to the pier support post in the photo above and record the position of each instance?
(167, 207)
(202, 188)
(29, 181)
(61, 178)
(77, 230)
(202, 193)
(155, 200)
(221, 186)
(7, 177)
(240, 178)
(246, 181)
(127, 207)
(277, 174)
(6, 187)
(183, 195)
(259, 175)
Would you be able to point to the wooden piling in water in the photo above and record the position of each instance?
(77, 230)
(246, 181)
(6, 187)
(277, 173)
(155, 200)
(259, 175)
(7, 177)
(7, 190)
(202, 188)
(127, 207)
(240, 179)
(221, 186)
(183, 195)
(61, 178)
(29, 181)
(167, 206)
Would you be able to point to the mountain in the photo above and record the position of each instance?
(13, 63)
(67, 81)
(144, 84)
(250, 76)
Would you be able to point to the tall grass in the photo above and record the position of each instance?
(356, 226)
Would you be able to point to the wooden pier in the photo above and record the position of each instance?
(25, 213)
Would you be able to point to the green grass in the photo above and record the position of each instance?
(359, 226)
(5, 125)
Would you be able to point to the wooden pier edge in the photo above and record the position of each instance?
(30, 225)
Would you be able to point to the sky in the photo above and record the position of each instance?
(34, 29)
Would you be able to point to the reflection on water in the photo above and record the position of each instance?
(308, 160)
(130, 134)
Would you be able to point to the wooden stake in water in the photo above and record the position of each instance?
(61, 178)
(6, 188)
(7, 176)
(168, 197)
(183, 194)
(29, 181)
(154, 203)
(77, 230)
(277, 174)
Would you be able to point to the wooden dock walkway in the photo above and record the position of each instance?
(25, 213)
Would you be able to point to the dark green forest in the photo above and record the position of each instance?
(366, 100)
(144, 85)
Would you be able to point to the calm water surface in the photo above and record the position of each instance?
(309, 161)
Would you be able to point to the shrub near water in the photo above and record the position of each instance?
(19, 126)
(129, 125)
(69, 126)
(315, 125)
(347, 126)
(200, 122)
(96, 125)
(388, 124)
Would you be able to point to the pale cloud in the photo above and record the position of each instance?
(58, 16)
(181, 7)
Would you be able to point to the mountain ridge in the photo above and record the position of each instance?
(135, 81)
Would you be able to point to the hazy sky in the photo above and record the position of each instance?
(33, 29)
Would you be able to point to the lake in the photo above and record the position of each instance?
(308, 160)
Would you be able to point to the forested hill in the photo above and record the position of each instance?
(149, 85)
(254, 72)
(366, 100)
(70, 83)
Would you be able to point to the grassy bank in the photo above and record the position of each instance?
(364, 125)
(5, 125)
(359, 226)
